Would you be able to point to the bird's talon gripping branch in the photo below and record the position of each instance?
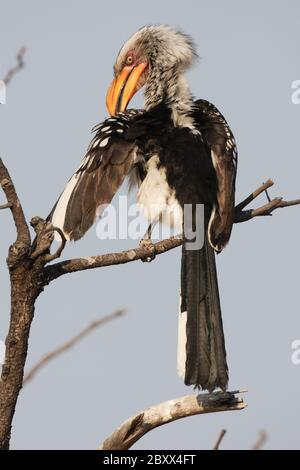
(148, 245)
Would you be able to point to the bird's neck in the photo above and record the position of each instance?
(171, 89)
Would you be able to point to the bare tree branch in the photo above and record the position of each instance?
(220, 439)
(81, 264)
(276, 203)
(137, 426)
(265, 210)
(19, 65)
(5, 206)
(70, 343)
(264, 187)
(262, 438)
(7, 185)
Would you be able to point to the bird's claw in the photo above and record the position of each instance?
(145, 243)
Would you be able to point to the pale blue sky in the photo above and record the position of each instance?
(249, 58)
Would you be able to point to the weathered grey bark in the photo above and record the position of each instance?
(91, 262)
(140, 424)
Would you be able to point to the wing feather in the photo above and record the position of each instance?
(220, 140)
(109, 159)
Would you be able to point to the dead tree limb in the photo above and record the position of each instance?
(91, 262)
(261, 189)
(242, 215)
(19, 65)
(70, 343)
(137, 426)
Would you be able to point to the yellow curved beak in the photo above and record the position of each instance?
(123, 87)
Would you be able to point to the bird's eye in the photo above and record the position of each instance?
(129, 60)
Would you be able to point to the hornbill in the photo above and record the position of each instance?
(179, 151)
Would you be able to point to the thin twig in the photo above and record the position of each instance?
(19, 65)
(220, 439)
(294, 202)
(262, 439)
(6, 206)
(140, 424)
(70, 343)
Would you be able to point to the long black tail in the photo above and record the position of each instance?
(201, 345)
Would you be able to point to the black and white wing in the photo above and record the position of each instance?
(220, 140)
(109, 158)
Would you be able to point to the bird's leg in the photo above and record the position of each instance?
(146, 242)
(267, 195)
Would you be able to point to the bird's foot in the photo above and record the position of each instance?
(147, 243)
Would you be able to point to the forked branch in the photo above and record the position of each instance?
(242, 215)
